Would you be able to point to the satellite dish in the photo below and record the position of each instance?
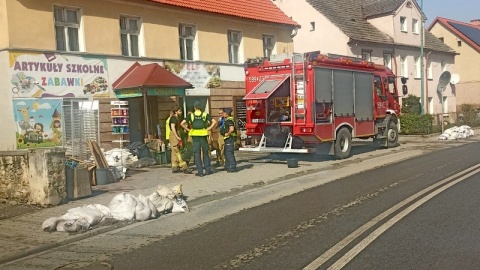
(455, 78)
(445, 78)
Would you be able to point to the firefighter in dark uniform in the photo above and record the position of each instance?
(229, 133)
(199, 124)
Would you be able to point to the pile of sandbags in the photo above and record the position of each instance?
(123, 206)
(455, 133)
(120, 160)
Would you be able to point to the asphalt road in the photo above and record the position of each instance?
(378, 219)
(304, 228)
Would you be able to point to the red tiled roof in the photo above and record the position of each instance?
(152, 75)
(447, 23)
(260, 10)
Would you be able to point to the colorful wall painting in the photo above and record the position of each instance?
(40, 75)
(200, 75)
(39, 122)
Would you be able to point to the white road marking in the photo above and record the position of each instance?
(370, 238)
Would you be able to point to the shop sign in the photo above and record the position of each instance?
(128, 93)
(35, 75)
(168, 92)
(38, 122)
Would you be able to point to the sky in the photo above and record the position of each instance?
(460, 10)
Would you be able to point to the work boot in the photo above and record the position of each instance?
(208, 172)
(175, 170)
(232, 170)
(187, 171)
(199, 174)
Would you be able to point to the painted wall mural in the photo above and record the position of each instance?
(40, 75)
(200, 75)
(39, 122)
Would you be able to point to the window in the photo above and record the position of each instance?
(234, 40)
(268, 45)
(459, 43)
(187, 35)
(430, 71)
(403, 24)
(67, 26)
(445, 105)
(430, 105)
(367, 55)
(129, 35)
(441, 39)
(415, 26)
(391, 85)
(403, 66)
(387, 60)
(418, 68)
(312, 26)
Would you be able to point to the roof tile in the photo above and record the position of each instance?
(259, 10)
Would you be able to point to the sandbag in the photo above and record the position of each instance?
(177, 208)
(73, 225)
(123, 209)
(142, 212)
(50, 224)
(147, 202)
(101, 208)
(163, 204)
(92, 216)
(165, 192)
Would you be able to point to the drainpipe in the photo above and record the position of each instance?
(426, 82)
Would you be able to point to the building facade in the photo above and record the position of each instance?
(465, 39)
(59, 59)
(385, 32)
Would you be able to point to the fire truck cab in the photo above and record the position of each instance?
(297, 101)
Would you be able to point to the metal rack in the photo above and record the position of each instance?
(81, 123)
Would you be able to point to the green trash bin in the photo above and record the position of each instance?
(161, 158)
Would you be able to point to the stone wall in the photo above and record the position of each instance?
(14, 176)
(36, 176)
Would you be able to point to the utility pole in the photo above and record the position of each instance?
(422, 68)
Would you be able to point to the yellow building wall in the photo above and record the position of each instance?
(3, 24)
(467, 65)
(33, 27)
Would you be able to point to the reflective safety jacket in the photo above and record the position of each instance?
(199, 124)
(229, 121)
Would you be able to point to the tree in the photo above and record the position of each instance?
(411, 105)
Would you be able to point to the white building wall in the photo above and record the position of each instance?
(326, 36)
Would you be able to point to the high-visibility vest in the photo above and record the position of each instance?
(167, 129)
(225, 128)
(199, 124)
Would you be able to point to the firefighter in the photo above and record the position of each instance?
(219, 142)
(229, 132)
(200, 124)
(167, 127)
(178, 164)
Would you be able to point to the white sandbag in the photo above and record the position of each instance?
(102, 208)
(142, 212)
(165, 205)
(123, 210)
(50, 224)
(117, 199)
(147, 202)
(177, 208)
(73, 225)
(165, 192)
(92, 216)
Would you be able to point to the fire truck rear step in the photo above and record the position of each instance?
(262, 147)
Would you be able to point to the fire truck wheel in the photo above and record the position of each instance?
(343, 143)
(392, 135)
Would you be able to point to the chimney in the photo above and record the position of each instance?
(475, 22)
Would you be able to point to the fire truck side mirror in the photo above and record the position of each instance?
(403, 80)
(404, 90)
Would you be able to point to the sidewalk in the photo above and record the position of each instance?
(22, 235)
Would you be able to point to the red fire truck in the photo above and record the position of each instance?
(297, 101)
